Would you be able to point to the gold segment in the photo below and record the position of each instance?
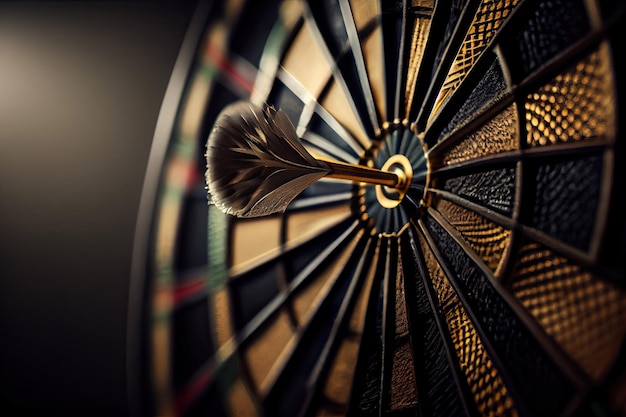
(339, 381)
(576, 105)
(304, 225)
(239, 400)
(301, 226)
(341, 375)
(365, 14)
(308, 300)
(306, 63)
(194, 107)
(220, 312)
(488, 239)
(290, 13)
(340, 108)
(305, 299)
(246, 246)
(418, 44)
(583, 313)
(403, 383)
(500, 134)
(490, 15)
(487, 387)
(263, 355)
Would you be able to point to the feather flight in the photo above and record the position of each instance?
(255, 164)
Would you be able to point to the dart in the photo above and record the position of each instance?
(256, 164)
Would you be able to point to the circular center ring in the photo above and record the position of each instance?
(390, 197)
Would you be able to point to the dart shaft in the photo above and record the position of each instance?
(361, 173)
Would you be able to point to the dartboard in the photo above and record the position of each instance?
(492, 284)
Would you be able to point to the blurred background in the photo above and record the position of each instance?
(81, 87)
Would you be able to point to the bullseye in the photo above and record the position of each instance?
(398, 150)
(390, 197)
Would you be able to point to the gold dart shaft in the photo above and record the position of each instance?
(361, 173)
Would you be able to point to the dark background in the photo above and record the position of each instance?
(81, 85)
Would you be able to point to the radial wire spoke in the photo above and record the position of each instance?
(349, 68)
(302, 376)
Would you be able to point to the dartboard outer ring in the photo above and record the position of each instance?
(493, 285)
